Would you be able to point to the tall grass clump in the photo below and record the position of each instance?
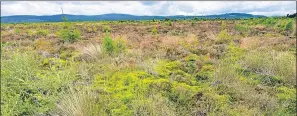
(81, 102)
(226, 71)
(272, 63)
(92, 52)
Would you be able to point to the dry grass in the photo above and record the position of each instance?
(78, 103)
(91, 51)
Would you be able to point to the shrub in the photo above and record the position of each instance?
(108, 45)
(69, 35)
(114, 47)
(154, 30)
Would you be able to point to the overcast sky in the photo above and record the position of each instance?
(163, 8)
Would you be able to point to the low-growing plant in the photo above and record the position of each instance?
(223, 37)
(17, 31)
(92, 29)
(223, 25)
(169, 23)
(42, 32)
(30, 32)
(243, 29)
(272, 63)
(28, 89)
(106, 29)
(289, 26)
(269, 22)
(44, 45)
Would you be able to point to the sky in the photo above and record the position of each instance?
(160, 8)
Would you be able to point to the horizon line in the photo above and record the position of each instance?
(146, 15)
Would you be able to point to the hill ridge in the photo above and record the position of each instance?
(113, 16)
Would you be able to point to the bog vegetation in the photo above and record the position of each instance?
(150, 68)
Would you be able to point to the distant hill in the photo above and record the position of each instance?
(58, 18)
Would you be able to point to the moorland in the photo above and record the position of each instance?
(153, 67)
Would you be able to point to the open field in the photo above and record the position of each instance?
(156, 68)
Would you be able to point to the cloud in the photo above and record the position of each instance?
(164, 8)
